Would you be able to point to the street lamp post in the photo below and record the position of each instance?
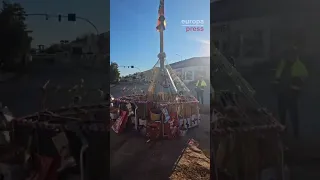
(180, 56)
(138, 69)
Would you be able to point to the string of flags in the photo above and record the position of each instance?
(161, 23)
(161, 104)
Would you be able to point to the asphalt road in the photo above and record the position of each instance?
(132, 155)
(23, 94)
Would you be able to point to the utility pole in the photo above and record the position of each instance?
(161, 28)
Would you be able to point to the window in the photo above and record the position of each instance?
(189, 76)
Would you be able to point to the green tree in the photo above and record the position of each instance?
(15, 42)
(114, 72)
(54, 48)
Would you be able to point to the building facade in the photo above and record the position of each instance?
(92, 43)
(261, 33)
(188, 70)
(91, 50)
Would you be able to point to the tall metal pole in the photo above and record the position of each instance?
(161, 28)
(167, 79)
(161, 51)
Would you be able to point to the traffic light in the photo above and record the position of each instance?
(132, 66)
(71, 17)
(59, 17)
(47, 17)
(128, 66)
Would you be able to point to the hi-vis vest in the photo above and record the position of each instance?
(201, 84)
(297, 69)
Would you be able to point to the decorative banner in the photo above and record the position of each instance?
(166, 114)
(120, 122)
(61, 143)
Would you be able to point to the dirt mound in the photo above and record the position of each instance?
(193, 164)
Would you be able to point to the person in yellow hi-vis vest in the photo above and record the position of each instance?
(200, 85)
(289, 78)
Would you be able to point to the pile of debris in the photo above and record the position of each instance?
(193, 164)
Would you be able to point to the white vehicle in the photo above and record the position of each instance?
(111, 99)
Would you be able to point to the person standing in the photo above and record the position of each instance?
(290, 75)
(200, 85)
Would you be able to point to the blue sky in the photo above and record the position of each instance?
(135, 41)
(52, 31)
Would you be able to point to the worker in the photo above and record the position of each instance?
(290, 75)
(200, 85)
(212, 96)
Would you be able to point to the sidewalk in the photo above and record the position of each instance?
(204, 109)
